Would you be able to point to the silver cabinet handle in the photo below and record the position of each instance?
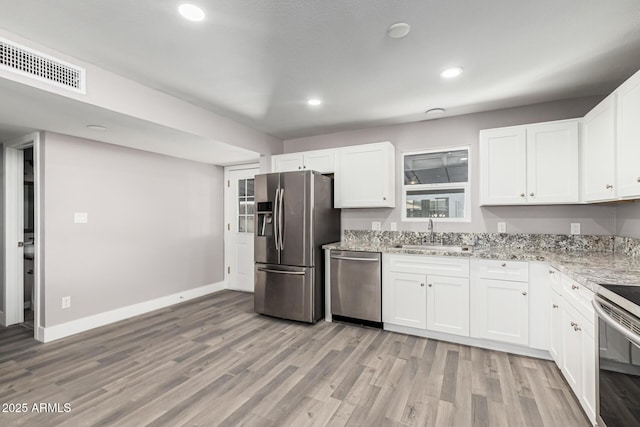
(431, 285)
(422, 284)
(574, 287)
(574, 324)
(531, 194)
(348, 258)
(638, 179)
(577, 328)
(552, 272)
(504, 264)
(609, 186)
(555, 305)
(522, 194)
(384, 198)
(524, 293)
(280, 216)
(293, 273)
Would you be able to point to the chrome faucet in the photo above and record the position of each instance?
(430, 229)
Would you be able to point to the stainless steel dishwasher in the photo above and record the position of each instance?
(356, 287)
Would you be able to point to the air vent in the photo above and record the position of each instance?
(28, 62)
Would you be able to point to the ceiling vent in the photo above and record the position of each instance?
(28, 62)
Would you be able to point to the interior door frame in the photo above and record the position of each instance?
(13, 197)
(227, 214)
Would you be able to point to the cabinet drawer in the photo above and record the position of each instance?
(441, 266)
(516, 271)
(579, 297)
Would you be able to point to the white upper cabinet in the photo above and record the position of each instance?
(322, 161)
(365, 176)
(628, 138)
(534, 164)
(503, 166)
(598, 152)
(552, 163)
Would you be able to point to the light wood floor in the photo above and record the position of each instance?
(212, 361)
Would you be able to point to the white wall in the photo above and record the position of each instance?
(628, 219)
(155, 226)
(463, 130)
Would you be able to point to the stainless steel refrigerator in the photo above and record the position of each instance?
(294, 218)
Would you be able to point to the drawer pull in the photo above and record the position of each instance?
(422, 284)
(574, 324)
(574, 287)
(555, 305)
(577, 328)
(504, 264)
(524, 293)
(552, 272)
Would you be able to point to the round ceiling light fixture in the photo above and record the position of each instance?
(191, 12)
(97, 127)
(398, 30)
(314, 102)
(450, 73)
(435, 111)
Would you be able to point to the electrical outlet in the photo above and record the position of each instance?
(80, 217)
(376, 226)
(394, 226)
(66, 302)
(502, 227)
(575, 228)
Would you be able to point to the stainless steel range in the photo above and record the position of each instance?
(618, 363)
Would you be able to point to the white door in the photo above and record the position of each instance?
(239, 228)
(286, 162)
(503, 166)
(14, 249)
(322, 161)
(557, 330)
(405, 300)
(448, 305)
(552, 163)
(598, 152)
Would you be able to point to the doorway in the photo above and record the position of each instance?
(239, 226)
(21, 233)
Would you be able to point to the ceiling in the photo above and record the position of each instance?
(258, 61)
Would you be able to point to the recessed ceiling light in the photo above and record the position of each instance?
(451, 72)
(191, 12)
(96, 127)
(398, 30)
(314, 102)
(435, 111)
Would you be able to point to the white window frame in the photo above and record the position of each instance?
(441, 186)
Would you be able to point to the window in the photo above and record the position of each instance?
(245, 205)
(436, 185)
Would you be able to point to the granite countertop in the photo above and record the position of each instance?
(589, 268)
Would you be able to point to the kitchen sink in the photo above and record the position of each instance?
(440, 248)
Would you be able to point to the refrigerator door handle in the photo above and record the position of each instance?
(295, 273)
(275, 216)
(280, 227)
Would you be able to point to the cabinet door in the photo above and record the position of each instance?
(552, 163)
(365, 176)
(572, 349)
(448, 305)
(598, 152)
(405, 300)
(628, 138)
(588, 397)
(286, 162)
(501, 311)
(539, 306)
(503, 166)
(557, 330)
(322, 161)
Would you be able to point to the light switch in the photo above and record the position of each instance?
(376, 226)
(80, 217)
(502, 227)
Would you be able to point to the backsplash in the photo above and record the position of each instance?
(555, 242)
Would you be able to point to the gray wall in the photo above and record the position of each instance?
(463, 130)
(155, 226)
(628, 219)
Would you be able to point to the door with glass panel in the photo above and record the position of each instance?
(240, 226)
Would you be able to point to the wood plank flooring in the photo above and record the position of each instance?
(213, 362)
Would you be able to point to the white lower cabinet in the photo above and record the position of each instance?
(428, 293)
(448, 304)
(500, 309)
(405, 300)
(556, 344)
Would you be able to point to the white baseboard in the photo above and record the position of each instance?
(52, 333)
(3, 320)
